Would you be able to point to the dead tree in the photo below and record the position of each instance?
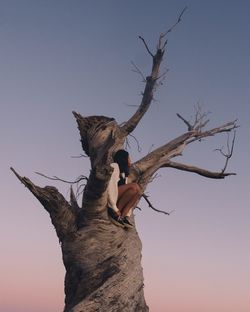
(102, 261)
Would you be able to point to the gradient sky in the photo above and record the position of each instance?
(59, 56)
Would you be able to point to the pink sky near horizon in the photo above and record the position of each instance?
(61, 56)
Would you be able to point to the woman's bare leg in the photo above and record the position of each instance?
(128, 194)
(124, 198)
(130, 205)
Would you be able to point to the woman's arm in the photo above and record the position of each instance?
(113, 188)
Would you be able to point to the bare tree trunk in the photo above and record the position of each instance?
(103, 269)
(102, 261)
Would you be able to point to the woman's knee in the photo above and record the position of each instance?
(136, 188)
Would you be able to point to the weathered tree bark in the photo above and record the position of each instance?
(102, 261)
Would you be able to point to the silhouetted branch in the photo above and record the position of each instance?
(229, 153)
(146, 46)
(190, 127)
(200, 120)
(137, 142)
(200, 171)
(55, 178)
(227, 127)
(152, 207)
(163, 35)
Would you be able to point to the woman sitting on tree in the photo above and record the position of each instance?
(122, 196)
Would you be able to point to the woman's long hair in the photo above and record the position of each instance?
(121, 158)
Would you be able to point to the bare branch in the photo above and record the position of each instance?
(178, 21)
(190, 127)
(227, 127)
(152, 207)
(146, 46)
(138, 71)
(143, 170)
(62, 214)
(172, 148)
(163, 35)
(151, 81)
(55, 178)
(137, 142)
(200, 171)
(79, 189)
(229, 153)
(127, 143)
(200, 120)
(147, 95)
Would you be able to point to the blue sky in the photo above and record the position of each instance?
(60, 56)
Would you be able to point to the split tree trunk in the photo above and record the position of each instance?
(102, 261)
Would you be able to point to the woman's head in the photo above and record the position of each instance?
(121, 157)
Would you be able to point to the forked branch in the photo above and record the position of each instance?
(199, 122)
(63, 215)
(228, 155)
(162, 156)
(227, 127)
(151, 80)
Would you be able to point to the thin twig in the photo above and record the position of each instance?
(78, 192)
(137, 142)
(163, 35)
(190, 127)
(138, 71)
(176, 23)
(152, 207)
(146, 46)
(229, 153)
(55, 178)
(224, 128)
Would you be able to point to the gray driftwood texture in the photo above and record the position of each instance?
(102, 261)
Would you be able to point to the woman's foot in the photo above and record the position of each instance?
(127, 222)
(115, 218)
